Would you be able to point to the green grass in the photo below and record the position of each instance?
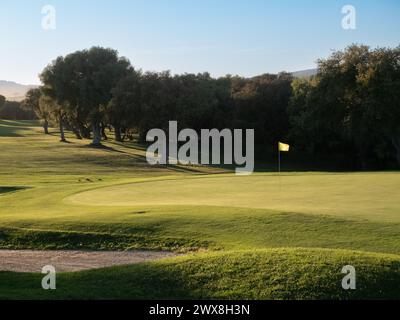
(70, 196)
(345, 195)
(253, 274)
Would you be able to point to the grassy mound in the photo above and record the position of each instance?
(255, 274)
(21, 238)
(181, 228)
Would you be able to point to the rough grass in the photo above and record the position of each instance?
(71, 196)
(254, 274)
(22, 238)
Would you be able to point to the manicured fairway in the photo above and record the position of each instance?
(71, 196)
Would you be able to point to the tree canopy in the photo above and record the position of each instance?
(351, 107)
(82, 82)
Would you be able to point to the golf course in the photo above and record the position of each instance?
(262, 236)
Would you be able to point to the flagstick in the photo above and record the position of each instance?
(279, 161)
(279, 168)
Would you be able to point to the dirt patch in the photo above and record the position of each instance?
(69, 261)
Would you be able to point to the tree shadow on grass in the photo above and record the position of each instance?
(142, 281)
(11, 128)
(104, 148)
(129, 145)
(142, 158)
(10, 189)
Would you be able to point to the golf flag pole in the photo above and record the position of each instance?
(282, 147)
(279, 161)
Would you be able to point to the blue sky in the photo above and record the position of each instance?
(245, 37)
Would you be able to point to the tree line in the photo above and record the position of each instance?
(350, 107)
(12, 110)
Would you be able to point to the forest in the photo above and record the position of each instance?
(351, 107)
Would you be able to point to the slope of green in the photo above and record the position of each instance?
(254, 274)
(375, 196)
(70, 196)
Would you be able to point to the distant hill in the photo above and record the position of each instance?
(14, 91)
(305, 73)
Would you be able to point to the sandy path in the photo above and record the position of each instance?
(33, 261)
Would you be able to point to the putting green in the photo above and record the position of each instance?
(373, 195)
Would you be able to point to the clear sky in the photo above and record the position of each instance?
(245, 37)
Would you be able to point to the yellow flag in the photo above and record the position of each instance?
(283, 147)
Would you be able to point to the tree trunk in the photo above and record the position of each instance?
(363, 160)
(362, 148)
(46, 126)
(96, 134)
(84, 131)
(117, 134)
(103, 132)
(76, 133)
(396, 144)
(62, 134)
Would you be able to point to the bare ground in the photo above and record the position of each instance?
(69, 261)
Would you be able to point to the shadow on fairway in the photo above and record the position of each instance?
(10, 128)
(10, 189)
(142, 158)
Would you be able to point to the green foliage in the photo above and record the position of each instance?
(2, 101)
(261, 103)
(82, 83)
(13, 110)
(124, 110)
(351, 106)
(38, 103)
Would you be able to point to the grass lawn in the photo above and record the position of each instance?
(259, 236)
